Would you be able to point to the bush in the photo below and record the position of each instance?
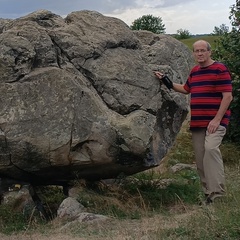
(149, 23)
(228, 51)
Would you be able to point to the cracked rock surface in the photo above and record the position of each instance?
(79, 98)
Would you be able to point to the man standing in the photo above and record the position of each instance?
(209, 84)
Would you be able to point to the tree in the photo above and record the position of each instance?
(235, 15)
(228, 51)
(182, 34)
(149, 23)
(220, 30)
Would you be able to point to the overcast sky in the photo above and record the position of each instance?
(198, 17)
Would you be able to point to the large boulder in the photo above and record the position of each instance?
(79, 98)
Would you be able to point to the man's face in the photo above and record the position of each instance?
(201, 53)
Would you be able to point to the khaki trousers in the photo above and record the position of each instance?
(209, 159)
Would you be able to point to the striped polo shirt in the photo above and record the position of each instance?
(206, 85)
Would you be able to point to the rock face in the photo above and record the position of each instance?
(79, 98)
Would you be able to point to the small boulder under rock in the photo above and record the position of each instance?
(70, 208)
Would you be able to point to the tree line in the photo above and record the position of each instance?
(156, 25)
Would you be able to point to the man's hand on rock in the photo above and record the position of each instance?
(166, 81)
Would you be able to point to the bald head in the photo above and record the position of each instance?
(202, 43)
(202, 53)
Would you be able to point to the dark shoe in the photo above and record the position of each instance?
(211, 197)
(204, 200)
(208, 200)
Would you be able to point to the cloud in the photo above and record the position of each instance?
(196, 16)
(22, 7)
(161, 3)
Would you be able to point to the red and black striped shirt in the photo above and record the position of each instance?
(206, 85)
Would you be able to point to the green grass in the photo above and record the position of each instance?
(189, 42)
(182, 150)
(11, 222)
(218, 221)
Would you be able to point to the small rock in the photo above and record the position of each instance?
(69, 208)
(180, 166)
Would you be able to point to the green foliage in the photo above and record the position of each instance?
(221, 30)
(235, 15)
(149, 23)
(182, 34)
(228, 51)
(51, 197)
(11, 222)
(230, 152)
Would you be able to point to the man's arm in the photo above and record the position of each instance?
(175, 86)
(226, 100)
(179, 88)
